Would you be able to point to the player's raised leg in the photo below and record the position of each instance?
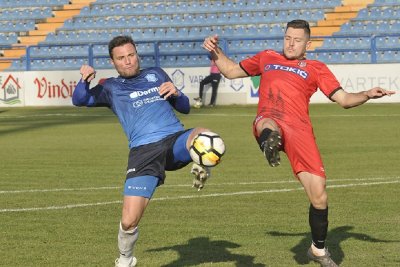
(204, 148)
(269, 138)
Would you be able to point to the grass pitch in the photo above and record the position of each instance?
(62, 172)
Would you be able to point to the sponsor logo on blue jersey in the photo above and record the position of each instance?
(148, 96)
(151, 77)
(136, 94)
(300, 72)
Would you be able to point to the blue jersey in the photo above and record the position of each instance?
(145, 116)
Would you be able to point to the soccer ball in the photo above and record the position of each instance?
(207, 148)
(198, 104)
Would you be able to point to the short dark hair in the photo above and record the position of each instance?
(119, 41)
(299, 24)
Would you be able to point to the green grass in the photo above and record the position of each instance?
(62, 172)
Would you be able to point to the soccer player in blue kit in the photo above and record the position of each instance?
(144, 102)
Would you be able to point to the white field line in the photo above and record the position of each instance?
(58, 190)
(208, 115)
(289, 181)
(195, 196)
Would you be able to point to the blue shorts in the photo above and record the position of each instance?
(143, 186)
(147, 163)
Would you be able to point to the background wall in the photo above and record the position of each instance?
(55, 88)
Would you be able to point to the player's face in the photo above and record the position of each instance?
(295, 44)
(125, 60)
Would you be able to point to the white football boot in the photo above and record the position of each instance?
(201, 174)
(131, 264)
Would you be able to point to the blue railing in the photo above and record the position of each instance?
(88, 53)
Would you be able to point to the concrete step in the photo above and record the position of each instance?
(340, 15)
(56, 19)
(84, 2)
(39, 32)
(66, 13)
(48, 26)
(316, 43)
(352, 8)
(336, 22)
(5, 65)
(324, 31)
(16, 52)
(73, 6)
(31, 40)
(357, 2)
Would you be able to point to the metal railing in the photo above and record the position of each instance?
(158, 50)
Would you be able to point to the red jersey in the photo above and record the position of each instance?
(286, 86)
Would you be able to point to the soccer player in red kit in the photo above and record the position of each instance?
(288, 80)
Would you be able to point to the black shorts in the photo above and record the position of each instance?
(154, 159)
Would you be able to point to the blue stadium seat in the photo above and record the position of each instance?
(386, 57)
(363, 14)
(183, 61)
(17, 65)
(154, 20)
(147, 61)
(102, 63)
(363, 57)
(394, 27)
(235, 46)
(276, 30)
(100, 50)
(182, 33)
(328, 43)
(168, 61)
(228, 31)
(8, 38)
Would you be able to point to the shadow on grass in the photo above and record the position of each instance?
(202, 250)
(335, 237)
(35, 121)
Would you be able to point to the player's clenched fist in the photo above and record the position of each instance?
(88, 73)
(211, 43)
(168, 89)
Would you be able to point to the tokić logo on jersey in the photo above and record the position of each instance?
(300, 72)
(151, 77)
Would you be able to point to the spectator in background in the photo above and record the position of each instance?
(214, 78)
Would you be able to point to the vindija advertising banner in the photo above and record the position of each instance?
(55, 88)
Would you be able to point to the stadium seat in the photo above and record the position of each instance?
(102, 63)
(155, 20)
(147, 61)
(386, 57)
(8, 38)
(168, 61)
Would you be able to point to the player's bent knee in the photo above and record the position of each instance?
(320, 202)
(126, 226)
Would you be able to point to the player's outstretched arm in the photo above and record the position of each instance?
(350, 100)
(228, 67)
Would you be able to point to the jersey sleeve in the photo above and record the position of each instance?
(181, 102)
(94, 97)
(163, 74)
(327, 81)
(252, 65)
